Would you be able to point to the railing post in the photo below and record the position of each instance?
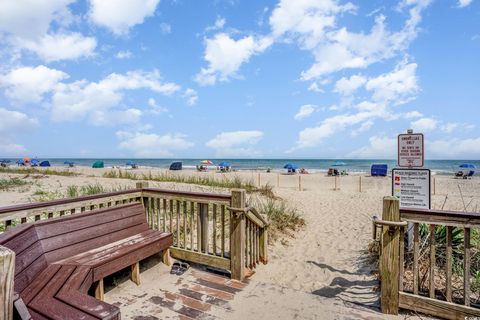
(390, 257)
(263, 239)
(7, 265)
(203, 211)
(237, 236)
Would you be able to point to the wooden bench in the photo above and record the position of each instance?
(58, 260)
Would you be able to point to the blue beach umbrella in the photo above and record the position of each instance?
(224, 164)
(20, 161)
(290, 166)
(467, 166)
(34, 162)
(68, 162)
(131, 163)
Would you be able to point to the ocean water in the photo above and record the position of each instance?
(313, 165)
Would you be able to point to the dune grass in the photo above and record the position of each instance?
(37, 171)
(8, 184)
(230, 183)
(284, 220)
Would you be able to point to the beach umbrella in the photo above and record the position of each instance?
(468, 166)
(224, 164)
(20, 161)
(27, 159)
(34, 162)
(68, 162)
(290, 166)
(207, 162)
(130, 163)
(5, 161)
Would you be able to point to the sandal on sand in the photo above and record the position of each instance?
(183, 268)
(176, 268)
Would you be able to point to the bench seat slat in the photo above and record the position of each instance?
(39, 283)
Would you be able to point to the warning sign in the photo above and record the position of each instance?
(412, 187)
(410, 150)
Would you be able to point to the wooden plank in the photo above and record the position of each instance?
(389, 261)
(434, 307)
(447, 218)
(431, 290)
(185, 209)
(166, 257)
(192, 212)
(99, 290)
(237, 236)
(201, 258)
(203, 213)
(135, 268)
(466, 267)
(176, 241)
(263, 239)
(170, 210)
(223, 230)
(247, 244)
(416, 253)
(157, 213)
(448, 266)
(7, 274)
(199, 228)
(164, 214)
(214, 227)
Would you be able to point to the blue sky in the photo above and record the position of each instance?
(248, 79)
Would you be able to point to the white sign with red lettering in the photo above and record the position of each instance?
(410, 150)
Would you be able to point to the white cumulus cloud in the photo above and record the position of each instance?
(29, 84)
(424, 125)
(305, 111)
(235, 143)
(80, 99)
(225, 56)
(143, 144)
(13, 123)
(121, 15)
(464, 3)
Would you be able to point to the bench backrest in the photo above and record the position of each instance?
(40, 243)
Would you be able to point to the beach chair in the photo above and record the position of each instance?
(469, 175)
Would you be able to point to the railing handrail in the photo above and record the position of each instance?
(440, 216)
(258, 216)
(206, 196)
(46, 204)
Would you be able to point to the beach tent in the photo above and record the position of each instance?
(98, 164)
(176, 166)
(290, 166)
(132, 164)
(45, 164)
(34, 162)
(379, 170)
(69, 163)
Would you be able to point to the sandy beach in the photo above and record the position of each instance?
(325, 266)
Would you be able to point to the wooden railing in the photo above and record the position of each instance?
(417, 272)
(215, 230)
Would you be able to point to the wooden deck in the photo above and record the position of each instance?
(196, 294)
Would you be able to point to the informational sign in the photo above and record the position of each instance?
(410, 150)
(412, 188)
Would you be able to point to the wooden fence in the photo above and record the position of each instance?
(431, 274)
(215, 230)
